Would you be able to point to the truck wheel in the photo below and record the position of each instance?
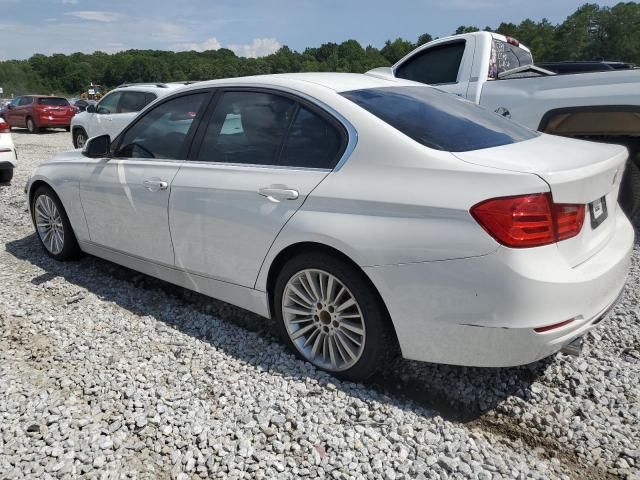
(630, 190)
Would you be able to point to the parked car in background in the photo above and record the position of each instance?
(8, 155)
(37, 112)
(116, 109)
(361, 213)
(498, 72)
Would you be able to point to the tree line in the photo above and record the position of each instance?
(592, 32)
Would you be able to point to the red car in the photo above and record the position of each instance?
(36, 112)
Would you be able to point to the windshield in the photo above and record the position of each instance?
(505, 57)
(54, 102)
(439, 120)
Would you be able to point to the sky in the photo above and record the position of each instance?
(248, 27)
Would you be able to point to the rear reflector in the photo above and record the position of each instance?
(554, 326)
(529, 220)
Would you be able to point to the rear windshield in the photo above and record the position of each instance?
(439, 120)
(54, 102)
(505, 57)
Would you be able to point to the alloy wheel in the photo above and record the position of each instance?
(49, 224)
(80, 140)
(323, 320)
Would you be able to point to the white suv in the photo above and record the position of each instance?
(116, 110)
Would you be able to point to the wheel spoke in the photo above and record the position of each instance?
(353, 328)
(330, 285)
(308, 301)
(312, 284)
(332, 353)
(296, 311)
(316, 345)
(300, 332)
(301, 320)
(348, 303)
(350, 337)
(345, 343)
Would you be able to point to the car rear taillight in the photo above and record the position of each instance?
(528, 220)
(4, 126)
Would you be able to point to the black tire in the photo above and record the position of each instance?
(77, 134)
(70, 249)
(380, 343)
(31, 125)
(630, 190)
(6, 175)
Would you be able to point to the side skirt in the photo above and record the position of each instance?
(253, 300)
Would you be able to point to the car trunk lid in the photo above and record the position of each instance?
(577, 172)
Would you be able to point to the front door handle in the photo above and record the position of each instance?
(155, 184)
(277, 193)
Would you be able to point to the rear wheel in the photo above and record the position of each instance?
(52, 225)
(79, 138)
(6, 175)
(330, 316)
(31, 126)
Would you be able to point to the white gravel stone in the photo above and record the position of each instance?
(105, 372)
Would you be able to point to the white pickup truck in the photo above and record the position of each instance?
(498, 72)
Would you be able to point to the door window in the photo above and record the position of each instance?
(163, 131)
(435, 65)
(134, 101)
(25, 101)
(247, 128)
(109, 104)
(312, 142)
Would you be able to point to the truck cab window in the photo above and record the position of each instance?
(434, 66)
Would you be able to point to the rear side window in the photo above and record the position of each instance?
(435, 65)
(247, 128)
(312, 142)
(134, 101)
(54, 102)
(439, 120)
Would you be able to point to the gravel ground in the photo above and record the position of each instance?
(105, 372)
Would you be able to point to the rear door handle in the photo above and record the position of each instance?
(155, 184)
(277, 193)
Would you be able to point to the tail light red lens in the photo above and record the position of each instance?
(4, 126)
(528, 220)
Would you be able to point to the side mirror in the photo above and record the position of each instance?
(91, 108)
(10, 106)
(97, 147)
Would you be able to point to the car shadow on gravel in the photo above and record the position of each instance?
(24, 131)
(461, 394)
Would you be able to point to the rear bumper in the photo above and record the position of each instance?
(8, 160)
(482, 311)
(44, 122)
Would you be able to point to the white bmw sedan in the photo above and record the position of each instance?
(362, 214)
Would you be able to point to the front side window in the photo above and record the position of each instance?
(15, 101)
(439, 120)
(247, 128)
(109, 104)
(134, 101)
(25, 101)
(163, 131)
(435, 65)
(54, 102)
(312, 142)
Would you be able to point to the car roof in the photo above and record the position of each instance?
(154, 87)
(339, 82)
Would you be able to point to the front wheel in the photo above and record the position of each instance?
(331, 316)
(79, 138)
(53, 226)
